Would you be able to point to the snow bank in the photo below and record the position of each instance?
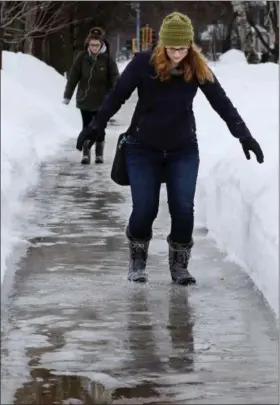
(237, 200)
(122, 65)
(34, 125)
(232, 56)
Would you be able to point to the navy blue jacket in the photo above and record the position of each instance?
(163, 118)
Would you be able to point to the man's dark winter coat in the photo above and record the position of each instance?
(163, 118)
(95, 76)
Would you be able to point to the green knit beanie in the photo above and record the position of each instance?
(176, 30)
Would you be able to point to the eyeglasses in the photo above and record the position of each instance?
(179, 50)
(95, 45)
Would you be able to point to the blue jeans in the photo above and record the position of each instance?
(145, 166)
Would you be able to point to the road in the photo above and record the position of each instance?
(75, 331)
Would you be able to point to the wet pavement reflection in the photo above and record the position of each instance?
(75, 331)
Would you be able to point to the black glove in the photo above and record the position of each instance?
(251, 144)
(89, 133)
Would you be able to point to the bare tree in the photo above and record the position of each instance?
(23, 21)
(271, 23)
(245, 32)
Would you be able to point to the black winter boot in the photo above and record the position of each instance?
(138, 252)
(179, 256)
(86, 154)
(99, 149)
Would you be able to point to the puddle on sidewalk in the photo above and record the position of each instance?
(49, 389)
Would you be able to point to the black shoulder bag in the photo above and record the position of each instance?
(119, 172)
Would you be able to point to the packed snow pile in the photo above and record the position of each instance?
(34, 125)
(122, 65)
(232, 56)
(237, 200)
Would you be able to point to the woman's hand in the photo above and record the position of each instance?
(250, 144)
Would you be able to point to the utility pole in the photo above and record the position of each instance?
(118, 47)
(138, 26)
(136, 6)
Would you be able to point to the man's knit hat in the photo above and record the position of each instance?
(176, 30)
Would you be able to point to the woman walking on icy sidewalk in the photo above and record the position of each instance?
(96, 73)
(162, 137)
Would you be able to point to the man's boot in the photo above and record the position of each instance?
(99, 149)
(179, 256)
(86, 154)
(138, 253)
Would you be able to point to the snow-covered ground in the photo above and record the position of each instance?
(34, 125)
(236, 200)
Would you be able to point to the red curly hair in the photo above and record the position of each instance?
(194, 65)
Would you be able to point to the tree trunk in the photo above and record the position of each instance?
(271, 23)
(38, 48)
(1, 46)
(274, 18)
(46, 50)
(245, 32)
(68, 42)
(56, 50)
(28, 46)
(227, 42)
(29, 25)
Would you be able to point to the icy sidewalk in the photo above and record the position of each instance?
(78, 332)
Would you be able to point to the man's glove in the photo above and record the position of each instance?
(250, 144)
(66, 101)
(89, 133)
